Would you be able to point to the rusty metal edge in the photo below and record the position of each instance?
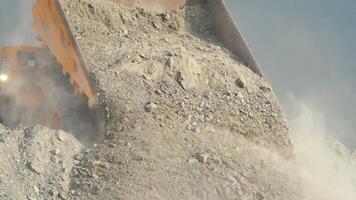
(77, 51)
(239, 40)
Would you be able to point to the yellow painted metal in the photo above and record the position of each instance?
(53, 29)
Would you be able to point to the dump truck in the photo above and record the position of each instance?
(53, 29)
(64, 57)
(34, 90)
(25, 75)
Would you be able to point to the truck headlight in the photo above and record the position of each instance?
(4, 77)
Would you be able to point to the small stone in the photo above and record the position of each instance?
(150, 107)
(192, 160)
(165, 17)
(196, 129)
(128, 144)
(146, 77)
(143, 56)
(209, 117)
(52, 193)
(124, 120)
(28, 132)
(259, 196)
(55, 159)
(169, 53)
(155, 25)
(202, 157)
(180, 79)
(239, 83)
(77, 157)
(55, 152)
(218, 161)
(232, 180)
(76, 162)
(36, 189)
(189, 127)
(61, 136)
(158, 92)
(170, 62)
(62, 196)
(32, 168)
(240, 96)
(125, 32)
(153, 188)
(265, 89)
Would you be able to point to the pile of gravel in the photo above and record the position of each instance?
(36, 163)
(134, 54)
(185, 118)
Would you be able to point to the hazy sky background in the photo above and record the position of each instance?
(16, 22)
(305, 47)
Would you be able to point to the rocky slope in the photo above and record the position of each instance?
(140, 56)
(36, 163)
(185, 118)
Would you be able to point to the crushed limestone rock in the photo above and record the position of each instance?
(35, 163)
(205, 100)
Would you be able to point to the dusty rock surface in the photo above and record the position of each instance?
(185, 118)
(36, 163)
(137, 57)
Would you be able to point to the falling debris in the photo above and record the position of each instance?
(202, 157)
(193, 79)
(150, 107)
(240, 83)
(184, 117)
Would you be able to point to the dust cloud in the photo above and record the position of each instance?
(308, 51)
(16, 23)
(41, 94)
(54, 103)
(327, 167)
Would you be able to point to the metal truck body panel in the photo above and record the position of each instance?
(52, 28)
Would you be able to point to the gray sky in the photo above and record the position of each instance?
(16, 22)
(305, 47)
(307, 50)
